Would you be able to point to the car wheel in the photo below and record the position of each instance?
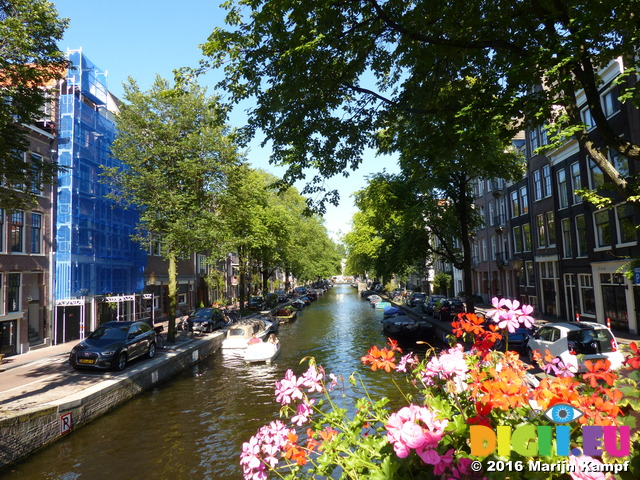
(530, 356)
(152, 350)
(122, 362)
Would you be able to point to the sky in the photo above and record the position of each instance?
(145, 38)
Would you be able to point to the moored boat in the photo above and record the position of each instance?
(406, 327)
(286, 315)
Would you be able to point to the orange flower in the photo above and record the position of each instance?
(554, 390)
(293, 451)
(382, 359)
(600, 370)
(327, 434)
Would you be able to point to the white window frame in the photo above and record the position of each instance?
(576, 182)
(567, 243)
(599, 229)
(610, 103)
(620, 242)
(563, 195)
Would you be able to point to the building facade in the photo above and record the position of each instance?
(555, 250)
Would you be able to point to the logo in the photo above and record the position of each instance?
(538, 440)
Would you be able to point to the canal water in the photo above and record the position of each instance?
(193, 426)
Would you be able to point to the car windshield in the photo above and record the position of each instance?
(418, 296)
(110, 332)
(204, 312)
(591, 341)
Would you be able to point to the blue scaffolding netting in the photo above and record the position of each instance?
(95, 252)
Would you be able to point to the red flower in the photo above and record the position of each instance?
(600, 370)
(634, 360)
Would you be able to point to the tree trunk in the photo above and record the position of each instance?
(173, 297)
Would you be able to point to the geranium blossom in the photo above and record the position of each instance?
(508, 314)
(451, 363)
(261, 450)
(304, 410)
(288, 389)
(416, 428)
(312, 379)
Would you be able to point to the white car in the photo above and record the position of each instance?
(576, 342)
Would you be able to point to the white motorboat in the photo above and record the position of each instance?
(239, 334)
(262, 352)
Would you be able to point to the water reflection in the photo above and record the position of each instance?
(194, 426)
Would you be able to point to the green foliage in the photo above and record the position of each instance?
(442, 282)
(29, 60)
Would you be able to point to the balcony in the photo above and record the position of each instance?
(502, 259)
(499, 222)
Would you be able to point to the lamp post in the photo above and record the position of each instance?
(516, 264)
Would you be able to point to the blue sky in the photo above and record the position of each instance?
(144, 38)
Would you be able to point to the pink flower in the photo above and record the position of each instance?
(289, 388)
(312, 379)
(508, 314)
(450, 364)
(416, 428)
(408, 360)
(334, 381)
(583, 467)
(261, 450)
(304, 411)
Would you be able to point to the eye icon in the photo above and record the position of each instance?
(563, 413)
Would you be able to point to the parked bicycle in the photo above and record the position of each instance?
(160, 340)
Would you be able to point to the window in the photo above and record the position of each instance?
(17, 232)
(551, 228)
(537, 185)
(563, 200)
(610, 103)
(567, 247)
(587, 118)
(620, 162)
(517, 239)
(13, 292)
(602, 228)
(581, 235)
(36, 233)
(587, 294)
(484, 249)
(524, 199)
(627, 232)
(546, 176)
(493, 247)
(526, 235)
(542, 234)
(576, 183)
(596, 176)
(480, 187)
(535, 139)
(36, 177)
(492, 213)
(515, 206)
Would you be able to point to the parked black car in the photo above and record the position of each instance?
(282, 296)
(416, 299)
(257, 302)
(113, 344)
(204, 320)
(445, 310)
(427, 307)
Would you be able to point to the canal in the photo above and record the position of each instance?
(194, 426)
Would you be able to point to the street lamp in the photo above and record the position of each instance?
(516, 263)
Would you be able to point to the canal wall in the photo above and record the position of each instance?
(26, 432)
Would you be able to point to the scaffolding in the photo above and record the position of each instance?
(95, 252)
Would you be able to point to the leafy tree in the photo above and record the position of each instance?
(30, 62)
(329, 78)
(177, 153)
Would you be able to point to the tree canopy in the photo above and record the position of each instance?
(330, 79)
(30, 63)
